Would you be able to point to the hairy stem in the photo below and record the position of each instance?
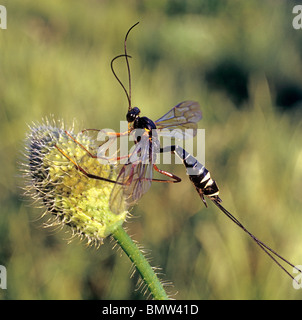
(141, 263)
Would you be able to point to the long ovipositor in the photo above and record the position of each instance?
(205, 185)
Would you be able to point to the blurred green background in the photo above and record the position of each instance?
(241, 60)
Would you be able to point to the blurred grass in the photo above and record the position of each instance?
(240, 60)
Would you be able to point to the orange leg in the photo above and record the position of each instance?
(87, 174)
(117, 134)
(168, 174)
(78, 143)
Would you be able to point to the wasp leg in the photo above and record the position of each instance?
(87, 174)
(116, 134)
(166, 173)
(79, 144)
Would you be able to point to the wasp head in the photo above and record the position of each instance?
(132, 114)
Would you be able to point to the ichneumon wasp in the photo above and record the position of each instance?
(136, 175)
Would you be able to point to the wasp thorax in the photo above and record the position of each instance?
(53, 178)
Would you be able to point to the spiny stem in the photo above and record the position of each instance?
(141, 263)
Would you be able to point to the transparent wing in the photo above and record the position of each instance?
(134, 178)
(183, 116)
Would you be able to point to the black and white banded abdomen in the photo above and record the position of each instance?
(198, 174)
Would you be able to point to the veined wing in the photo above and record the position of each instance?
(134, 178)
(183, 116)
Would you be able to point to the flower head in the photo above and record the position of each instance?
(56, 162)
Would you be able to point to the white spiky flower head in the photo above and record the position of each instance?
(69, 196)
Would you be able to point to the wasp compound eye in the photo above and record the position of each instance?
(56, 160)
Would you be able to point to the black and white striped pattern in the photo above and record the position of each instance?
(206, 186)
(198, 174)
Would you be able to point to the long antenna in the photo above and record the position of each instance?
(127, 62)
(128, 93)
(117, 78)
(262, 245)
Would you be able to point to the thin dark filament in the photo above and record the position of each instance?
(117, 78)
(128, 66)
(128, 93)
(262, 245)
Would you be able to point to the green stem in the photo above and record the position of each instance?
(141, 264)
